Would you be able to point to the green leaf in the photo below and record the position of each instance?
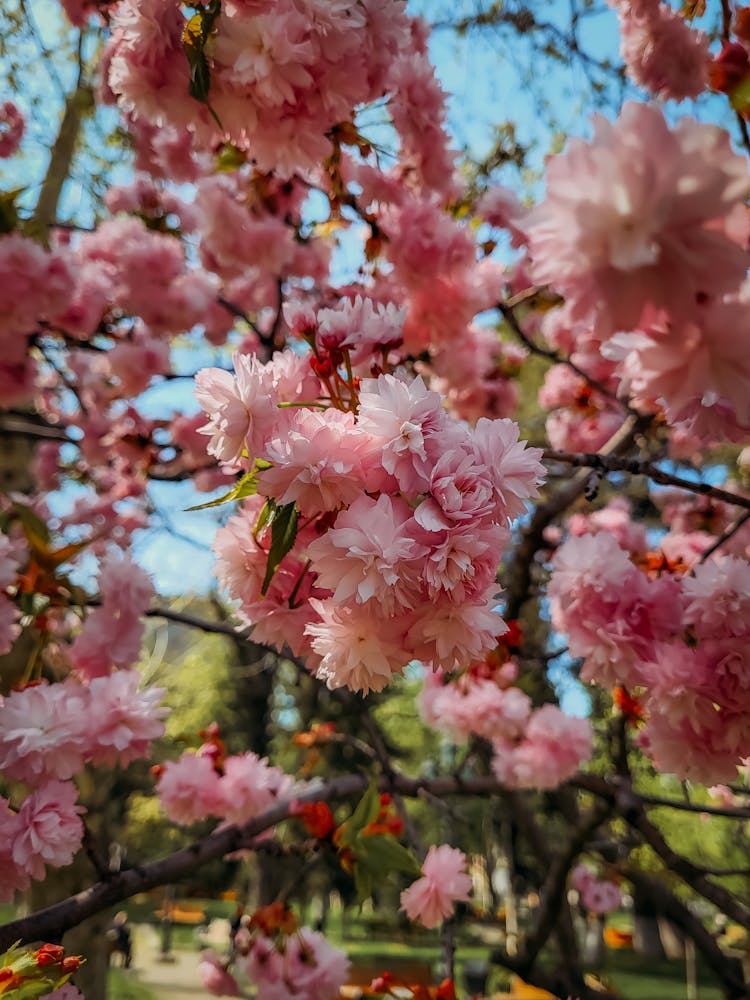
(230, 158)
(363, 882)
(367, 810)
(266, 516)
(34, 527)
(283, 535)
(383, 854)
(195, 36)
(29, 990)
(245, 487)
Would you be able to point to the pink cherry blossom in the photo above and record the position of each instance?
(629, 215)
(308, 967)
(717, 598)
(111, 635)
(474, 705)
(615, 519)
(319, 463)
(357, 647)
(601, 896)
(13, 876)
(9, 629)
(697, 370)
(189, 789)
(610, 610)
(581, 877)
(214, 976)
(124, 718)
(66, 992)
(12, 126)
(50, 829)
(551, 751)
(444, 882)
(461, 490)
(663, 54)
(43, 732)
(514, 468)
(407, 423)
(370, 554)
(450, 635)
(461, 562)
(249, 786)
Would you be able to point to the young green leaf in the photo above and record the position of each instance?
(283, 535)
(247, 486)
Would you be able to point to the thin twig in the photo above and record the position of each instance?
(731, 530)
(613, 463)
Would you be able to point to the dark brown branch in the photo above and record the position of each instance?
(552, 893)
(635, 816)
(731, 530)
(51, 923)
(605, 464)
(20, 427)
(512, 320)
(234, 310)
(610, 788)
(194, 621)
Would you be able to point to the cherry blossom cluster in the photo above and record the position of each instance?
(111, 634)
(676, 639)
(235, 788)
(597, 895)
(281, 959)
(404, 514)
(644, 233)
(274, 78)
(46, 830)
(52, 730)
(444, 882)
(532, 748)
(662, 53)
(48, 733)
(12, 127)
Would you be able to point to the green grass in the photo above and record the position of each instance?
(120, 986)
(641, 979)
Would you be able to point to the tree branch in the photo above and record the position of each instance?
(52, 922)
(606, 463)
(519, 578)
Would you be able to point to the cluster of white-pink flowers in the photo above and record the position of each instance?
(676, 640)
(48, 733)
(644, 232)
(597, 895)
(662, 53)
(532, 748)
(304, 967)
(403, 512)
(111, 634)
(237, 789)
(275, 77)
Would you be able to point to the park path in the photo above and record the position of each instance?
(176, 979)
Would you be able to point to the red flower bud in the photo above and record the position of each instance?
(49, 954)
